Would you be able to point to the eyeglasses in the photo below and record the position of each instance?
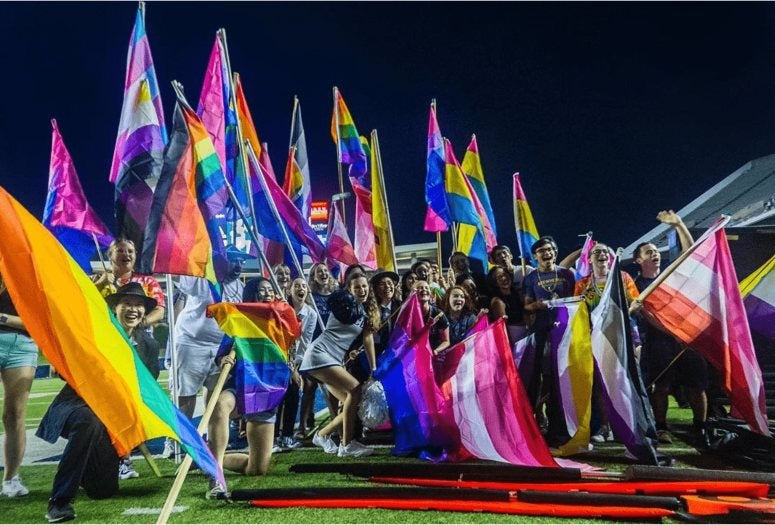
(598, 252)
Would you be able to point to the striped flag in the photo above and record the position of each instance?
(75, 330)
(461, 200)
(572, 359)
(338, 245)
(300, 185)
(700, 304)
(582, 263)
(626, 400)
(383, 230)
(142, 135)
(68, 214)
(262, 334)
(472, 168)
(486, 406)
(437, 218)
(527, 233)
(183, 236)
(758, 292)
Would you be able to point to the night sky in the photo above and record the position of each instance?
(610, 111)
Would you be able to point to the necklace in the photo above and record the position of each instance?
(544, 284)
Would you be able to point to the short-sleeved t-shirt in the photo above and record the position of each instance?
(149, 283)
(544, 286)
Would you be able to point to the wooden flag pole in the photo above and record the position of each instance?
(186, 465)
(280, 222)
(99, 252)
(516, 230)
(339, 150)
(293, 120)
(149, 458)
(378, 155)
(438, 249)
(173, 350)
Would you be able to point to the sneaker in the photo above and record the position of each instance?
(14, 487)
(290, 443)
(665, 437)
(59, 512)
(126, 470)
(325, 442)
(169, 449)
(602, 435)
(215, 489)
(354, 449)
(276, 449)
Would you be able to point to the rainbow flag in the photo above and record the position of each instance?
(472, 168)
(142, 135)
(348, 142)
(527, 233)
(437, 217)
(462, 209)
(302, 186)
(67, 213)
(262, 334)
(74, 328)
(383, 230)
(183, 236)
(293, 183)
(758, 293)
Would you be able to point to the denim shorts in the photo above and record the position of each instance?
(17, 350)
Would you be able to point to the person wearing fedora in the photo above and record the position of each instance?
(89, 459)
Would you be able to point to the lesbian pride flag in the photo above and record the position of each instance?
(74, 328)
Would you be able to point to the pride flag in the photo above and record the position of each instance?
(338, 245)
(583, 267)
(142, 135)
(527, 233)
(462, 202)
(183, 236)
(758, 292)
(262, 334)
(700, 304)
(302, 186)
(74, 328)
(67, 213)
(348, 142)
(472, 168)
(383, 230)
(437, 218)
(293, 182)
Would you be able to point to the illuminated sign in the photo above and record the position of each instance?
(319, 212)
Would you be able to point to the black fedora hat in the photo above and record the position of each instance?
(131, 289)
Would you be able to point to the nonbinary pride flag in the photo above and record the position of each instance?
(758, 291)
(74, 328)
(700, 304)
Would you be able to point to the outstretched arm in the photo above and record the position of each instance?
(673, 219)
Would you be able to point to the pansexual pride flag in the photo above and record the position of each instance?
(183, 236)
(74, 328)
(462, 203)
(142, 135)
(67, 213)
(437, 218)
(527, 233)
(758, 292)
(700, 304)
(472, 168)
(262, 334)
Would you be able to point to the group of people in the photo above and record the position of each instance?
(346, 324)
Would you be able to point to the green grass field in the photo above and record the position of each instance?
(140, 500)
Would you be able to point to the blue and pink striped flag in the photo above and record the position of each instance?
(437, 217)
(142, 135)
(67, 213)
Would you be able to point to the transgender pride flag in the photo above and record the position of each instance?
(758, 291)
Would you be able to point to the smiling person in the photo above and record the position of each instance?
(18, 360)
(354, 314)
(283, 275)
(439, 334)
(123, 256)
(506, 301)
(89, 459)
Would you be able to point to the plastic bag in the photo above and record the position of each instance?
(373, 409)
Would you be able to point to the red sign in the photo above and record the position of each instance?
(319, 211)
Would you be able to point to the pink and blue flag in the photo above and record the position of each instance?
(338, 245)
(437, 217)
(527, 233)
(758, 292)
(142, 136)
(472, 168)
(67, 214)
(582, 263)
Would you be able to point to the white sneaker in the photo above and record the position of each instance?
(126, 470)
(214, 489)
(354, 449)
(13, 487)
(325, 442)
(169, 449)
(291, 443)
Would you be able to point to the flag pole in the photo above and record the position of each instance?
(378, 154)
(339, 150)
(182, 472)
(99, 251)
(293, 120)
(178, 87)
(516, 228)
(438, 249)
(173, 350)
(681, 258)
(280, 222)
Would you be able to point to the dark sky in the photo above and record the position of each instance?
(610, 111)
